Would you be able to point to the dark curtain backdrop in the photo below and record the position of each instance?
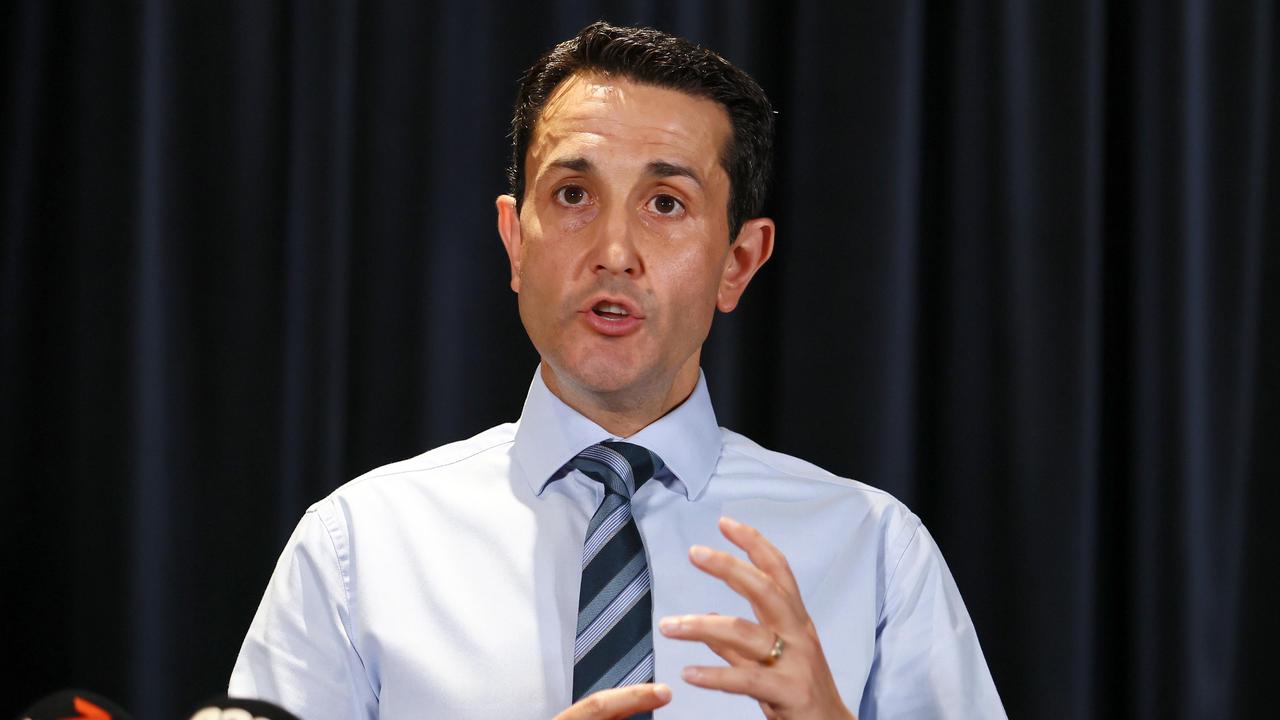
(1026, 281)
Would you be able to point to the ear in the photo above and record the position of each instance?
(509, 229)
(749, 251)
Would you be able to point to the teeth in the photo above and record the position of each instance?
(611, 308)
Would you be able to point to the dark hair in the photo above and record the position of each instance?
(652, 57)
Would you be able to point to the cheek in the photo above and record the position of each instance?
(557, 221)
(533, 260)
(695, 283)
(547, 246)
(697, 272)
(572, 222)
(535, 284)
(544, 286)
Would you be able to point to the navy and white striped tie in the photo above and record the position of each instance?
(613, 646)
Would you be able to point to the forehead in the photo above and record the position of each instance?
(605, 115)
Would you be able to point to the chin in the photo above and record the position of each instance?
(601, 376)
(605, 382)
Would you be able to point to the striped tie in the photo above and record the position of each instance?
(613, 645)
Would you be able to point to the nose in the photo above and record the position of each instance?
(614, 250)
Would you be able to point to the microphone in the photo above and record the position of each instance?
(75, 705)
(222, 707)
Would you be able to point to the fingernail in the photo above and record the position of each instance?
(669, 624)
(662, 691)
(700, 552)
(689, 674)
(734, 524)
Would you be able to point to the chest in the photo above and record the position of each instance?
(486, 627)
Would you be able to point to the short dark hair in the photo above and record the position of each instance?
(652, 57)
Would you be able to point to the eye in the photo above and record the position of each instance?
(666, 205)
(572, 195)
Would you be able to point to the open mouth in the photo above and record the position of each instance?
(610, 311)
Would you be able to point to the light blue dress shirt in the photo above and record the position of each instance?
(447, 585)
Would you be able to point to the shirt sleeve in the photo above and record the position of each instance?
(298, 652)
(927, 660)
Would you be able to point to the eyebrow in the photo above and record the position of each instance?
(576, 164)
(661, 168)
(657, 168)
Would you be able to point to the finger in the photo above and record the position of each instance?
(764, 554)
(768, 600)
(740, 636)
(750, 680)
(733, 658)
(618, 702)
(730, 656)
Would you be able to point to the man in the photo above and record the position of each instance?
(574, 557)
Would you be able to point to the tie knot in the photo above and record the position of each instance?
(622, 467)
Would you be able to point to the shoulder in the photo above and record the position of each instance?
(743, 456)
(482, 455)
(787, 478)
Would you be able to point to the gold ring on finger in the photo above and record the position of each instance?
(775, 653)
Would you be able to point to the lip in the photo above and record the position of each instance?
(628, 305)
(606, 326)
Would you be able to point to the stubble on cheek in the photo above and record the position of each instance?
(545, 313)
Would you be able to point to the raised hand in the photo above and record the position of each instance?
(777, 659)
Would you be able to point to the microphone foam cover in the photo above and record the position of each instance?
(75, 705)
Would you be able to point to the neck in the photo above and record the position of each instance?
(625, 412)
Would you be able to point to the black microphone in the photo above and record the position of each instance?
(75, 705)
(222, 707)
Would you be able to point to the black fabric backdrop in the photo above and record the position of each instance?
(1026, 280)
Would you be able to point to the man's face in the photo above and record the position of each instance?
(621, 251)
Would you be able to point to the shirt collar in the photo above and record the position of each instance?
(550, 434)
